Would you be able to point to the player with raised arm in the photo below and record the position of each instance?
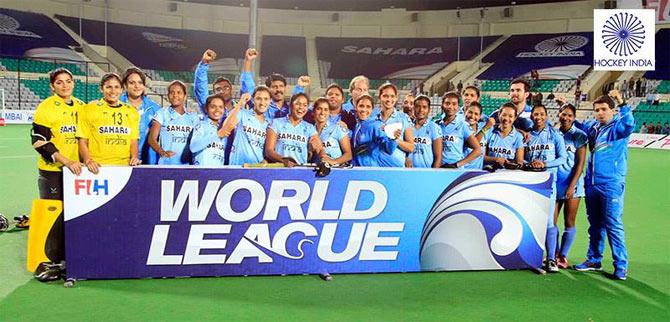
(250, 129)
(276, 83)
(546, 150)
(173, 125)
(208, 143)
(222, 86)
(108, 130)
(427, 136)
(456, 134)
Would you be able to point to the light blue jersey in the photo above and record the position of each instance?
(372, 147)
(147, 111)
(460, 115)
(454, 135)
(330, 137)
(249, 139)
(175, 129)
(423, 157)
(546, 145)
(478, 163)
(498, 146)
(293, 140)
(348, 106)
(397, 117)
(574, 139)
(207, 147)
(201, 85)
(522, 121)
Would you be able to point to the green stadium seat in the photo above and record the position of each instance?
(43, 67)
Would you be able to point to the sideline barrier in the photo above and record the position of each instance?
(183, 221)
(17, 117)
(649, 141)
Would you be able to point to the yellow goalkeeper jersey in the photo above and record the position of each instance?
(109, 130)
(61, 119)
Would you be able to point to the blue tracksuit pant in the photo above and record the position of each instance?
(604, 209)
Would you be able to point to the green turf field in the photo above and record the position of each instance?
(462, 296)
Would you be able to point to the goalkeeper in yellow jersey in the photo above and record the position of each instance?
(108, 130)
(53, 137)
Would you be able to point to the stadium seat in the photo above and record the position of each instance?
(41, 67)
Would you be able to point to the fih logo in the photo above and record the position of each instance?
(624, 40)
(90, 187)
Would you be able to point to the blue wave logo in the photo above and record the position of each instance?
(623, 34)
(502, 211)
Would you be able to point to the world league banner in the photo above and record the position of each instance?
(181, 221)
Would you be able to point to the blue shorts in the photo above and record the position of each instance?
(562, 186)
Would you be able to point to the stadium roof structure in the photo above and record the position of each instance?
(374, 5)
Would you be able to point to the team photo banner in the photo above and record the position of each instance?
(183, 221)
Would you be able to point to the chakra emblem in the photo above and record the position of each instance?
(562, 44)
(623, 34)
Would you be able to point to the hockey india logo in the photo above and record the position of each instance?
(623, 34)
(562, 44)
(10, 26)
(164, 40)
(7, 22)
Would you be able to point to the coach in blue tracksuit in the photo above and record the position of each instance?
(605, 182)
